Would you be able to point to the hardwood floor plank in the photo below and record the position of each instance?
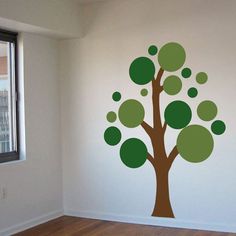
(74, 226)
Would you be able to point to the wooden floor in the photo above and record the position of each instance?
(73, 226)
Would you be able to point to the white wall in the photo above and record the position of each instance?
(60, 18)
(34, 186)
(95, 182)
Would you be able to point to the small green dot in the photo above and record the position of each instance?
(144, 92)
(111, 116)
(152, 50)
(201, 77)
(192, 92)
(186, 72)
(116, 96)
(218, 127)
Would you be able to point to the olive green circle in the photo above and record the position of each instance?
(186, 72)
(195, 143)
(142, 70)
(152, 50)
(178, 114)
(112, 136)
(111, 116)
(144, 92)
(172, 85)
(207, 110)
(133, 153)
(218, 127)
(131, 113)
(116, 96)
(192, 92)
(201, 77)
(171, 56)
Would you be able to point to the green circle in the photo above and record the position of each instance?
(131, 113)
(192, 92)
(133, 153)
(152, 50)
(186, 72)
(218, 127)
(171, 56)
(144, 92)
(142, 70)
(207, 110)
(172, 85)
(116, 96)
(112, 136)
(201, 77)
(111, 116)
(178, 114)
(195, 143)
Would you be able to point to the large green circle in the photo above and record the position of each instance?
(218, 127)
(142, 70)
(201, 77)
(195, 143)
(178, 114)
(111, 116)
(131, 113)
(171, 56)
(207, 110)
(172, 85)
(133, 153)
(112, 136)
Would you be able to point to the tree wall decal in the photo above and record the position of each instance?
(194, 142)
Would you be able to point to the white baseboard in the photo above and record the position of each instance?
(153, 221)
(31, 223)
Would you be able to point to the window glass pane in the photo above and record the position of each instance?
(7, 112)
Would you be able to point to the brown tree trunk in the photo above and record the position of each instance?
(162, 206)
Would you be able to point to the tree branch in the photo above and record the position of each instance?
(164, 127)
(151, 159)
(173, 154)
(147, 128)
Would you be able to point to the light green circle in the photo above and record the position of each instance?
(201, 77)
(144, 92)
(207, 110)
(111, 116)
(171, 56)
(195, 143)
(172, 85)
(131, 113)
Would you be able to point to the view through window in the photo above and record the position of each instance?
(8, 99)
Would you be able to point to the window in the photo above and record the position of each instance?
(9, 141)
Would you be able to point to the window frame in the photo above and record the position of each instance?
(11, 37)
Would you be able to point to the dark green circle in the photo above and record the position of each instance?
(195, 143)
(178, 114)
(201, 77)
(144, 92)
(112, 136)
(131, 113)
(152, 50)
(116, 96)
(171, 57)
(186, 72)
(192, 92)
(142, 70)
(133, 153)
(111, 116)
(172, 85)
(218, 127)
(207, 110)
